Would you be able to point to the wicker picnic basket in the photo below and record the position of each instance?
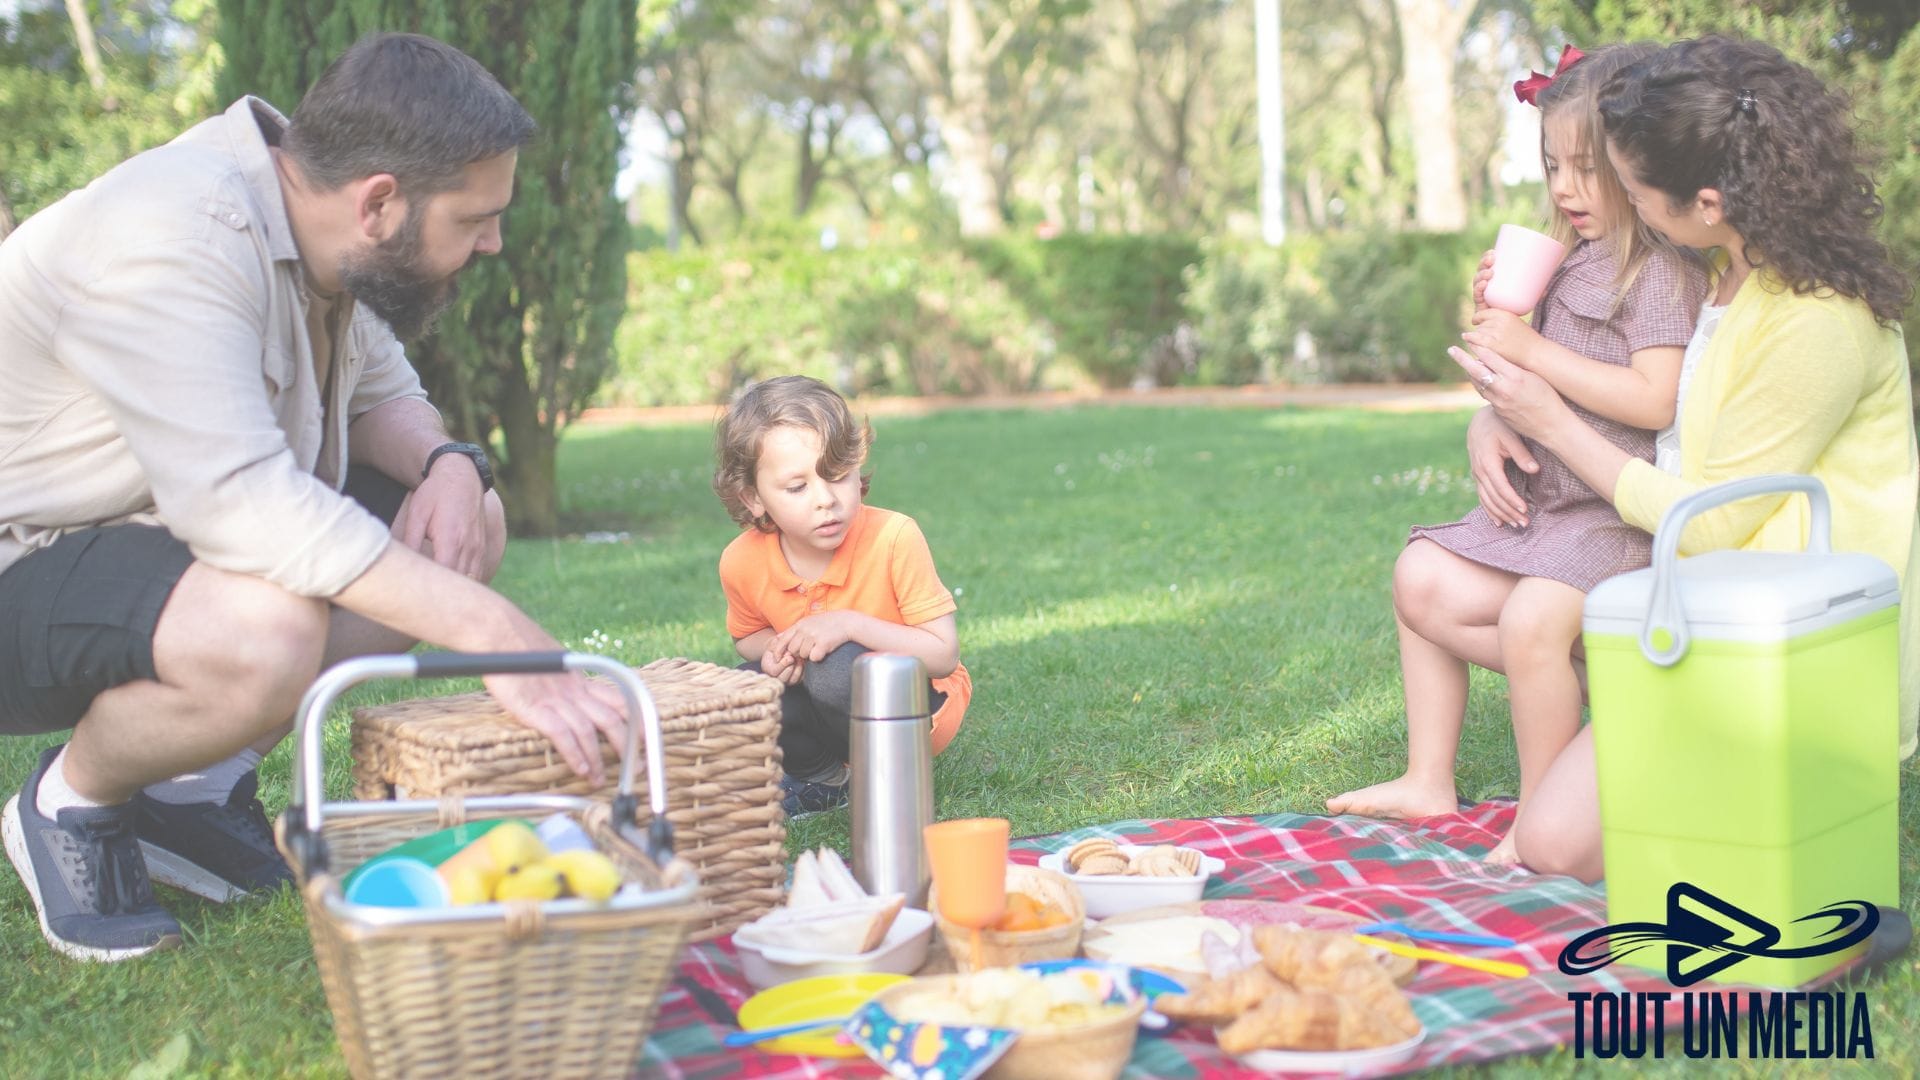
(564, 988)
(723, 772)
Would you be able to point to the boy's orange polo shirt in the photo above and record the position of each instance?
(883, 569)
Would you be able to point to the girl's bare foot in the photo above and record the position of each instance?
(1504, 853)
(1400, 799)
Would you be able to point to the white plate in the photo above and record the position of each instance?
(1333, 1061)
(1112, 894)
(901, 952)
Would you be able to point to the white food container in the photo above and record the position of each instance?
(1114, 894)
(901, 952)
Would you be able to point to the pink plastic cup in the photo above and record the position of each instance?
(1523, 263)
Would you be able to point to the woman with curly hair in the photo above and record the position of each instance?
(1797, 364)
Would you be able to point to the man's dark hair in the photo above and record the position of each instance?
(403, 104)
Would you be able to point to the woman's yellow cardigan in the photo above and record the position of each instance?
(1800, 384)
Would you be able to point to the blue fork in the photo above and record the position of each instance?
(1446, 936)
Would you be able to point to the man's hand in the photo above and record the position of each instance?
(447, 517)
(571, 711)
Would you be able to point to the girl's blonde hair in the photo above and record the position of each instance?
(1577, 91)
(788, 401)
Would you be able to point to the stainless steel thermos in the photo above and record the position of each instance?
(891, 736)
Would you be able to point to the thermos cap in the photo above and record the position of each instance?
(889, 686)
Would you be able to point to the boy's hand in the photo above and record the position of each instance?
(813, 637)
(1505, 333)
(1480, 278)
(780, 663)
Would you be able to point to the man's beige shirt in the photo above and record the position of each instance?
(156, 367)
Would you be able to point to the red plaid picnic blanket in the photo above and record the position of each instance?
(1427, 874)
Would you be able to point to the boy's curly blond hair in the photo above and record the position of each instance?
(787, 401)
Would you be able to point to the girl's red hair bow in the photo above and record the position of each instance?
(1528, 89)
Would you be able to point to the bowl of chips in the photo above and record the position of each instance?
(1074, 1024)
(1042, 921)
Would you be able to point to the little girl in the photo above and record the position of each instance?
(817, 578)
(1505, 590)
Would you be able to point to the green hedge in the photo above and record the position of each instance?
(1015, 315)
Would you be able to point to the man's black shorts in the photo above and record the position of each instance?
(77, 616)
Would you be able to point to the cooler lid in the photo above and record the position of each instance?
(1738, 594)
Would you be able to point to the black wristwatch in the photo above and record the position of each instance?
(472, 452)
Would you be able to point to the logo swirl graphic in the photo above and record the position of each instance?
(1702, 944)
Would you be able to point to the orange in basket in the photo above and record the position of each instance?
(1026, 912)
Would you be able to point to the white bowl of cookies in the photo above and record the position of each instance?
(1115, 878)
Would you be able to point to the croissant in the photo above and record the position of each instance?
(1218, 1001)
(1311, 959)
(1312, 1019)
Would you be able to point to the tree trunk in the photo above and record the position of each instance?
(528, 487)
(683, 180)
(6, 215)
(964, 124)
(1429, 37)
(89, 48)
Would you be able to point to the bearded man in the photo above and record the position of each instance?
(218, 474)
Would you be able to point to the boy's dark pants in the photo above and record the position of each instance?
(815, 714)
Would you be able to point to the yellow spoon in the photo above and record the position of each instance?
(1491, 967)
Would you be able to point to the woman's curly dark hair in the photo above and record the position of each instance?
(1778, 145)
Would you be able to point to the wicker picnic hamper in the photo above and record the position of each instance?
(723, 772)
(566, 988)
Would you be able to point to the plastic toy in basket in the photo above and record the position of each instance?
(562, 988)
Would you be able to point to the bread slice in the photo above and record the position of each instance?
(807, 890)
(840, 928)
(838, 880)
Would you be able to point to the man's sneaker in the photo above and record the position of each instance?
(800, 798)
(84, 872)
(221, 851)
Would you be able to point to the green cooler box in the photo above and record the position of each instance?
(1745, 718)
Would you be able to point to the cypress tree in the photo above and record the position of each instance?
(532, 335)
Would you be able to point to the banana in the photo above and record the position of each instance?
(588, 874)
(540, 881)
(471, 885)
(500, 850)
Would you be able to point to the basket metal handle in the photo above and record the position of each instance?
(306, 809)
(1664, 637)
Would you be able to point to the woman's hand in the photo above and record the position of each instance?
(1490, 445)
(1523, 400)
(1505, 333)
(1482, 275)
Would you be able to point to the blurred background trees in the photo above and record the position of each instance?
(904, 196)
(531, 337)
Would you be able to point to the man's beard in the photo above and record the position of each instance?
(388, 281)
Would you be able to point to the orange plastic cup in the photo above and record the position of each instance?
(969, 862)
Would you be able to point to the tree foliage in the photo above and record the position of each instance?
(58, 131)
(531, 338)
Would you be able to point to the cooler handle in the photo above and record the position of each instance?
(1665, 617)
(304, 812)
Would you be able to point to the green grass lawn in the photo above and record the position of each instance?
(1167, 613)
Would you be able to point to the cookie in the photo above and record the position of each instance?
(1159, 861)
(1103, 864)
(1079, 853)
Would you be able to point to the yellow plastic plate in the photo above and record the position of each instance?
(823, 997)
